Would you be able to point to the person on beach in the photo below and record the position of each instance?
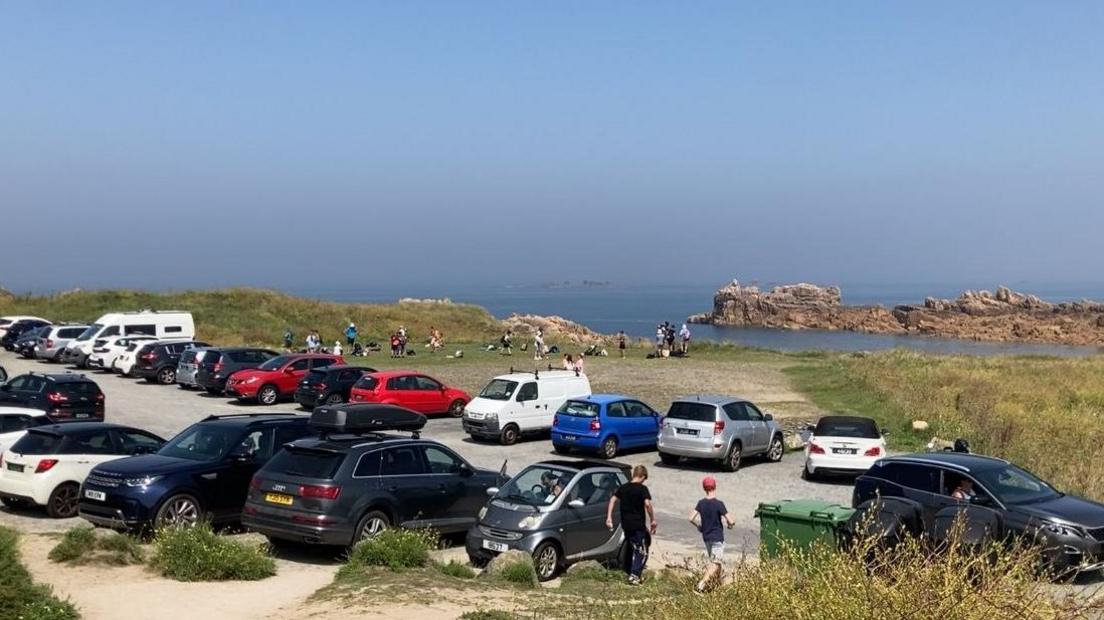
(621, 343)
(660, 335)
(710, 516)
(402, 341)
(351, 334)
(636, 509)
(436, 340)
(669, 336)
(396, 345)
(314, 343)
(538, 345)
(337, 348)
(507, 343)
(568, 362)
(289, 338)
(684, 335)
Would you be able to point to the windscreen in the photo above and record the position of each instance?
(580, 408)
(700, 412)
(858, 428)
(91, 331)
(499, 389)
(1013, 485)
(201, 442)
(306, 463)
(275, 363)
(536, 485)
(367, 382)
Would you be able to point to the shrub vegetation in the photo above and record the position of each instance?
(20, 597)
(455, 569)
(198, 554)
(83, 545)
(397, 549)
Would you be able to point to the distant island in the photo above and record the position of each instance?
(1001, 316)
(581, 284)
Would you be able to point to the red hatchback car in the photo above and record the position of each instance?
(409, 389)
(277, 378)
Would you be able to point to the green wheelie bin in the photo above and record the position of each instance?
(799, 524)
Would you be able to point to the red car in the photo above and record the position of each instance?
(409, 389)
(277, 378)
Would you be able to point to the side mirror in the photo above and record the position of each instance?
(810, 427)
(768, 417)
(576, 503)
(465, 471)
(289, 371)
(492, 491)
(241, 455)
(885, 433)
(981, 500)
(137, 450)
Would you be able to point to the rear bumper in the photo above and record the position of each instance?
(307, 399)
(280, 526)
(705, 451)
(831, 463)
(144, 372)
(187, 378)
(21, 488)
(572, 440)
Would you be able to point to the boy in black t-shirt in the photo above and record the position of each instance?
(636, 506)
(710, 515)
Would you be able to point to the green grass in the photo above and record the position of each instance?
(198, 554)
(455, 569)
(20, 597)
(397, 549)
(519, 574)
(84, 545)
(488, 614)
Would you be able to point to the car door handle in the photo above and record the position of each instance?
(393, 488)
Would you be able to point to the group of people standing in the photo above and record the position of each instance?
(638, 522)
(665, 340)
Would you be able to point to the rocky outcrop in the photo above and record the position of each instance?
(555, 327)
(1004, 315)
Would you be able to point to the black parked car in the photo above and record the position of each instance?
(1013, 500)
(329, 385)
(63, 396)
(219, 363)
(25, 344)
(201, 474)
(17, 329)
(353, 481)
(157, 361)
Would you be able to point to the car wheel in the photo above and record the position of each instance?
(806, 474)
(267, 395)
(668, 459)
(370, 525)
(456, 408)
(609, 448)
(335, 399)
(510, 435)
(178, 511)
(166, 376)
(560, 449)
(478, 561)
(546, 559)
(776, 449)
(13, 503)
(214, 391)
(63, 501)
(731, 461)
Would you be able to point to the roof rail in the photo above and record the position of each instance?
(246, 415)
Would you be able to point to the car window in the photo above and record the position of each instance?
(93, 442)
(396, 383)
(860, 428)
(300, 364)
(636, 409)
(699, 412)
(442, 461)
(536, 485)
(918, 477)
(37, 443)
(369, 464)
(130, 440)
(367, 382)
(260, 444)
(499, 389)
(201, 442)
(616, 410)
(306, 463)
(13, 423)
(753, 412)
(70, 332)
(425, 383)
(322, 362)
(402, 461)
(18, 382)
(579, 408)
(77, 389)
(736, 412)
(348, 375)
(143, 330)
(34, 384)
(1013, 485)
(595, 489)
(111, 331)
(528, 391)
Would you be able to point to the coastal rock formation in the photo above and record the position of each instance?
(1003, 316)
(555, 327)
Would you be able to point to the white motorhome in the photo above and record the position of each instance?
(157, 323)
(521, 403)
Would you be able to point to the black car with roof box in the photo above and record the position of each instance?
(328, 386)
(357, 478)
(63, 396)
(218, 363)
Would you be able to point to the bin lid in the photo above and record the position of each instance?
(813, 509)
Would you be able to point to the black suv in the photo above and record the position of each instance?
(329, 385)
(353, 481)
(17, 329)
(218, 364)
(63, 396)
(201, 474)
(157, 361)
(1013, 500)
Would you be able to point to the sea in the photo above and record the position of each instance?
(637, 309)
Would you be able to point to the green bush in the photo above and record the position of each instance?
(198, 554)
(593, 574)
(20, 597)
(456, 569)
(488, 614)
(84, 545)
(520, 573)
(396, 549)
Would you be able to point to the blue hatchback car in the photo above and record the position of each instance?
(604, 423)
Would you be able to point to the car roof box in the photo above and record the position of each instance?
(365, 418)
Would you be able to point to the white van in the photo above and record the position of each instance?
(521, 403)
(157, 323)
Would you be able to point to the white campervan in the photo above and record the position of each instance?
(157, 323)
(521, 403)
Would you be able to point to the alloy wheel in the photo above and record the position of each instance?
(372, 528)
(65, 500)
(609, 448)
(775, 453)
(267, 395)
(180, 512)
(547, 561)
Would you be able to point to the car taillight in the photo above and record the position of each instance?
(149, 356)
(320, 386)
(310, 490)
(595, 425)
(99, 397)
(45, 465)
(49, 343)
(555, 421)
(218, 367)
(254, 483)
(815, 449)
(875, 451)
(56, 397)
(718, 427)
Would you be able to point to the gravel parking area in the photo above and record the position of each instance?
(168, 409)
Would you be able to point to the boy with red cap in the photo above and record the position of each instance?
(709, 515)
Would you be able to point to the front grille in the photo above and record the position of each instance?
(1097, 533)
(497, 533)
(102, 481)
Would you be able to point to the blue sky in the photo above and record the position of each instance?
(291, 144)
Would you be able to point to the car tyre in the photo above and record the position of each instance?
(180, 510)
(267, 395)
(13, 503)
(456, 408)
(669, 459)
(63, 501)
(731, 460)
(478, 561)
(609, 448)
(806, 474)
(547, 560)
(776, 450)
(561, 449)
(214, 391)
(510, 435)
(335, 399)
(166, 376)
(370, 525)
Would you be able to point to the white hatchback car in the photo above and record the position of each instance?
(104, 356)
(47, 465)
(842, 445)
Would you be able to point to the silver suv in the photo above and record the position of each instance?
(52, 341)
(720, 428)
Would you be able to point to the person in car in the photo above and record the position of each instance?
(636, 505)
(709, 516)
(964, 491)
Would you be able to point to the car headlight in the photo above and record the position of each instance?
(482, 513)
(491, 416)
(529, 523)
(1062, 530)
(144, 481)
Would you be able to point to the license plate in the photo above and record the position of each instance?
(14, 467)
(96, 495)
(80, 415)
(279, 498)
(845, 451)
(686, 431)
(569, 437)
(495, 546)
